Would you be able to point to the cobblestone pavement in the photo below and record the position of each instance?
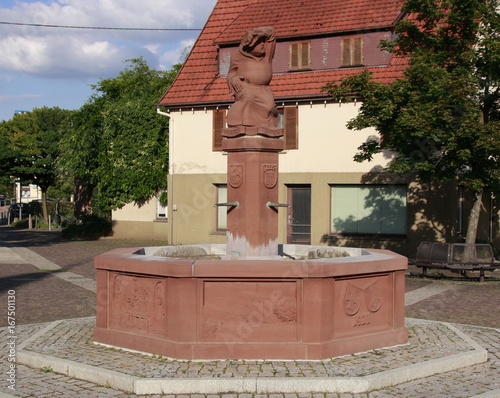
(480, 380)
(42, 296)
(72, 340)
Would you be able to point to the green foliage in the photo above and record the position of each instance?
(33, 144)
(119, 144)
(442, 119)
(90, 227)
(116, 143)
(63, 186)
(32, 147)
(21, 224)
(163, 198)
(6, 185)
(7, 158)
(35, 208)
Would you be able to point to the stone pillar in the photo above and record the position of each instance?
(252, 182)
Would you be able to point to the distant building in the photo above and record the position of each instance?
(25, 193)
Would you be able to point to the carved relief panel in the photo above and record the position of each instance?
(137, 304)
(253, 311)
(235, 175)
(270, 175)
(362, 305)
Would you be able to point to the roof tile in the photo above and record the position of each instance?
(199, 83)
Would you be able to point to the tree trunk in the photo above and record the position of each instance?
(45, 213)
(474, 217)
(83, 195)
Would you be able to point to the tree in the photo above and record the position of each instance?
(6, 162)
(119, 145)
(442, 120)
(34, 147)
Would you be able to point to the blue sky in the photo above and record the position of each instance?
(45, 66)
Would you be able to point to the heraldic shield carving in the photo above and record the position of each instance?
(235, 175)
(270, 172)
(354, 296)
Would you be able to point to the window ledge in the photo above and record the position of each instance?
(368, 236)
(221, 233)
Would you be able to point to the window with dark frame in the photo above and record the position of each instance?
(360, 209)
(221, 215)
(161, 206)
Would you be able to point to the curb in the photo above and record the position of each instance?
(489, 394)
(257, 385)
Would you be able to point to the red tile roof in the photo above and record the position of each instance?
(312, 17)
(199, 83)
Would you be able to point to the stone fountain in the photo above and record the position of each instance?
(251, 298)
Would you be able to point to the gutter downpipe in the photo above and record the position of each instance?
(170, 177)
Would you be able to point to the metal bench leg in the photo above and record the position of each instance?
(481, 275)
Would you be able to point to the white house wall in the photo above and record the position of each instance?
(325, 144)
(191, 144)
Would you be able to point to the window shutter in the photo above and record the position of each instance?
(294, 56)
(290, 115)
(357, 54)
(300, 55)
(345, 52)
(219, 122)
(351, 51)
(305, 51)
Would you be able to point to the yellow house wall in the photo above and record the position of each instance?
(133, 212)
(192, 215)
(139, 222)
(431, 212)
(320, 206)
(144, 230)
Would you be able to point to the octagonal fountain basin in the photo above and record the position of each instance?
(194, 302)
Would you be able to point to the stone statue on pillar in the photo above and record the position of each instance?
(253, 142)
(254, 111)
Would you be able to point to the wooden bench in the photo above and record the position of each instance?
(460, 257)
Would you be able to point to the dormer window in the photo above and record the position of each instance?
(300, 55)
(351, 53)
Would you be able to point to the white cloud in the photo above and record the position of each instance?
(176, 55)
(77, 53)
